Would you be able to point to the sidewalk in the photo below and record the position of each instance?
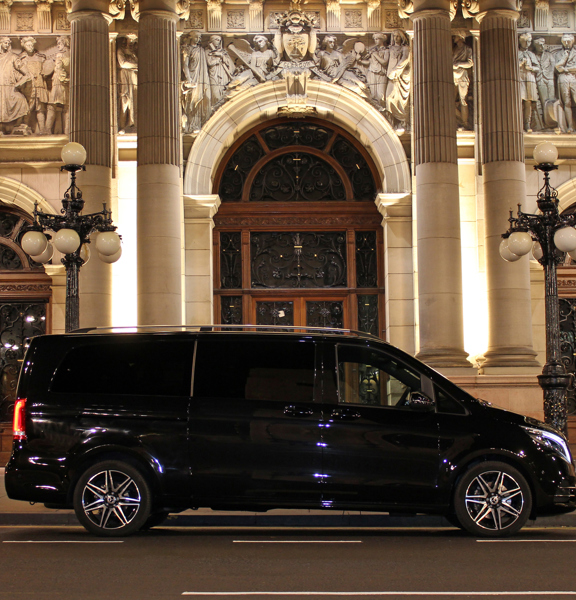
(15, 512)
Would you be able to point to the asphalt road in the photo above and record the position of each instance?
(48, 563)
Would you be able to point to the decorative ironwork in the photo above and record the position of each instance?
(568, 347)
(325, 314)
(356, 168)
(9, 260)
(231, 310)
(238, 168)
(19, 321)
(297, 134)
(366, 263)
(274, 313)
(8, 223)
(230, 261)
(297, 177)
(298, 260)
(368, 313)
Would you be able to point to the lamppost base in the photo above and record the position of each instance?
(554, 381)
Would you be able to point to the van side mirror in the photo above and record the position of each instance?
(421, 402)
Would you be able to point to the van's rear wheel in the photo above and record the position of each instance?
(492, 499)
(112, 498)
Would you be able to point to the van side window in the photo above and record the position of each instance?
(447, 404)
(374, 378)
(255, 370)
(160, 368)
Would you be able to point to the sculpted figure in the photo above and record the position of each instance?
(379, 57)
(220, 68)
(398, 87)
(196, 97)
(258, 64)
(13, 103)
(339, 67)
(59, 97)
(462, 63)
(545, 76)
(128, 80)
(35, 91)
(566, 69)
(528, 90)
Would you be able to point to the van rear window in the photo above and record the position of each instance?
(159, 368)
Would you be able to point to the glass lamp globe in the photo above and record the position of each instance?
(108, 243)
(67, 241)
(545, 153)
(34, 243)
(520, 243)
(85, 253)
(111, 258)
(73, 154)
(45, 256)
(506, 253)
(565, 239)
(537, 251)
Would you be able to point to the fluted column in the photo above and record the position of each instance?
(159, 187)
(437, 194)
(90, 126)
(509, 306)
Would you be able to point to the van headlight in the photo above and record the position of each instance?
(552, 441)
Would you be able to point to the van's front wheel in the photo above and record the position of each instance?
(112, 498)
(492, 499)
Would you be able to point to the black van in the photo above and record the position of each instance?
(129, 427)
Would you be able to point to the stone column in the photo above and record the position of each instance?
(509, 309)
(159, 187)
(90, 126)
(437, 194)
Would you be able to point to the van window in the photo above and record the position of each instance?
(255, 369)
(375, 378)
(159, 368)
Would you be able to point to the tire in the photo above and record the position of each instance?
(492, 499)
(155, 519)
(112, 499)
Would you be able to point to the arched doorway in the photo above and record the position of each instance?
(298, 239)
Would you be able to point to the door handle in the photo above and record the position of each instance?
(297, 411)
(345, 414)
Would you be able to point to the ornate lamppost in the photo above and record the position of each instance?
(549, 235)
(72, 232)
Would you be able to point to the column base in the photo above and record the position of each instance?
(445, 357)
(510, 357)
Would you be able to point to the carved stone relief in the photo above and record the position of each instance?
(34, 95)
(353, 19)
(195, 20)
(25, 21)
(560, 19)
(236, 19)
(127, 61)
(462, 64)
(62, 22)
(376, 67)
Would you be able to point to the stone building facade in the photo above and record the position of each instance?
(331, 163)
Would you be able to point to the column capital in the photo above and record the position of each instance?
(490, 5)
(497, 13)
(421, 6)
(169, 6)
(201, 207)
(81, 6)
(394, 205)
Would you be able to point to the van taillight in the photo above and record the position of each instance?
(19, 427)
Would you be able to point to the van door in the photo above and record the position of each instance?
(254, 421)
(380, 431)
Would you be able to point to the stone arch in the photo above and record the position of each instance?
(15, 193)
(333, 103)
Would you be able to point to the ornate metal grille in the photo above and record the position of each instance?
(366, 264)
(324, 314)
(237, 169)
(368, 313)
(297, 134)
(231, 310)
(297, 177)
(19, 321)
(298, 260)
(356, 168)
(275, 313)
(9, 260)
(230, 261)
(568, 346)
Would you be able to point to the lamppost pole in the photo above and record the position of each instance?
(549, 235)
(72, 234)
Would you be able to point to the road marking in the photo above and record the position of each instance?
(527, 593)
(63, 541)
(526, 541)
(298, 541)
